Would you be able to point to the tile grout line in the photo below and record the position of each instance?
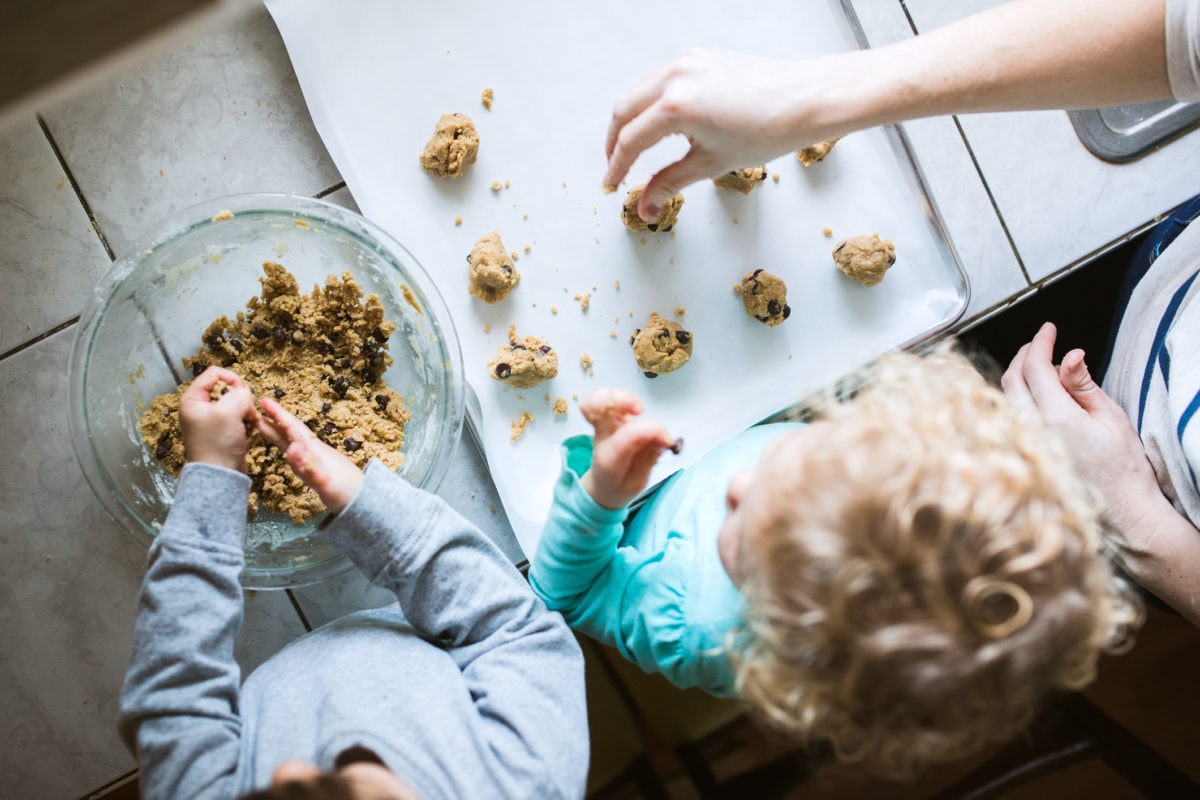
(87, 209)
(299, 611)
(123, 780)
(40, 337)
(975, 163)
(326, 192)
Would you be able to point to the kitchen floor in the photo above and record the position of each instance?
(79, 184)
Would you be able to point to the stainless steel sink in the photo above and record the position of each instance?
(1125, 133)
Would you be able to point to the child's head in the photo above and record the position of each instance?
(921, 567)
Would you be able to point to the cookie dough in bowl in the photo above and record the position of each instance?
(144, 330)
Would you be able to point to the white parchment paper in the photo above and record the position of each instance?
(377, 74)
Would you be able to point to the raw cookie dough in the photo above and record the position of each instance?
(765, 297)
(523, 362)
(453, 148)
(321, 356)
(667, 215)
(493, 273)
(865, 258)
(814, 153)
(742, 180)
(662, 346)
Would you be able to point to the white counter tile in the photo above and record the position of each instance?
(69, 579)
(223, 115)
(49, 255)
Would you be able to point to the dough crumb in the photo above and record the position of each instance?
(827, 231)
(775, 177)
(223, 214)
(679, 312)
(487, 97)
(814, 153)
(553, 309)
(585, 300)
(585, 361)
(497, 186)
(519, 426)
(458, 220)
(453, 148)
(617, 285)
(560, 405)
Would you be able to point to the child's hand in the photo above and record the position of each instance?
(625, 450)
(214, 431)
(327, 472)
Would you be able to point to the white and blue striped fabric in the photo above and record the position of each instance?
(1155, 369)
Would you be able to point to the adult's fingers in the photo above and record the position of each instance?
(634, 138)
(1041, 375)
(643, 94)
(695, 166)
(1013, 381)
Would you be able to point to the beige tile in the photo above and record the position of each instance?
(69, 580)
(49, 255)
(222, 115)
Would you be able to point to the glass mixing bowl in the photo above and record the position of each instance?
(151, 308)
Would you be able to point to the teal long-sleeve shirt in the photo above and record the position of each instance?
(651, 585)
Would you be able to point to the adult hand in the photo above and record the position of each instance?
(327, 472)
(736, 111)
(625, 449)
(214, 431)
(1106, 448)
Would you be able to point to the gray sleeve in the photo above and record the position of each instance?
(179, 706)
(519, 661)
(1183, 49)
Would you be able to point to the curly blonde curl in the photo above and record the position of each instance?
(928, 573)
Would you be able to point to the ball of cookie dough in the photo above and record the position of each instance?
(765, 297)
(493, 273)
(662, 346)
(453, 148)
(667, 215)
(814, 153)
(865, 258)
(742, 180)
(524, 361)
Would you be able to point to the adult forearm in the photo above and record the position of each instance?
(1025, 54)
(1161, 551)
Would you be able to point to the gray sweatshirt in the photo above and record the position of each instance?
(467, 687)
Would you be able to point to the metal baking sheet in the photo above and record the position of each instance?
(376, 74)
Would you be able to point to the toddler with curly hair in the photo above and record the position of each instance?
(906, 576)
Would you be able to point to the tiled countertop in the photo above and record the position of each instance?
(82, 181)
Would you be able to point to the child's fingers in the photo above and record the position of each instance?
(639, 439)
(606, 409)
(286, 427)
(239, 401)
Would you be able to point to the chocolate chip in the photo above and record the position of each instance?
(379, 335)
(787, 311)
(503, 370)
(663, 333)
(676, 446)
(278, 334)
(668, 229)
(279, 393)
(368, 376)
(343, 363)
(652, 226)
(457, 133)
(840, 247)
(198, 367)
(761, 319)
(545, 349)
(351, 445)
(773, 308)
(325, 408)
(891, 260)
(376, 358)
(507, 269)
(683, 337)
(382, 401)
(259, 332)
(330, 429)
(763, 177)
(756, 273)
(650, 374)
(324, 348)
(468, 258)
(162, 449)
(238, 345)
(340, 385)
(214, 340)
(733, 172)
(516, 346)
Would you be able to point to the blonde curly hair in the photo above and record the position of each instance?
(931, 571)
